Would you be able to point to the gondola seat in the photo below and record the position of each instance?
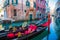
(10, 35)
(46, 23)
(31, 29)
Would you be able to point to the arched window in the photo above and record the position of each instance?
(34, 4)
(15, 12)
(27, 3)
(14, 2)
(25, 10)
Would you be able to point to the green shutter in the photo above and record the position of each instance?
(6, 3)
(34, 4)
(15, 3)
(30, 17)
(27, 3)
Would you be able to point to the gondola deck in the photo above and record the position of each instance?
(25, 36)
(32, 34)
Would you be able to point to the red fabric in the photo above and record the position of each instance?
(46, 23)
(26, 32)
(31, 28)
(10, 35)
(16, 34)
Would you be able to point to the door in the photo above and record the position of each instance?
(15, 12)
(30, 17)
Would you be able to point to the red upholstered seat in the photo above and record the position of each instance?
(10, 35)
(16, 34)
(31, 28)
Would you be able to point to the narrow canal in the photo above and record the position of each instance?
(54, 31)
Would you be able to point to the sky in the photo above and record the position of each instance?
(52, 3)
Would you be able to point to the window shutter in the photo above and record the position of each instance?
(34, 5)
(14, 2)
(6, 3)
(27, 3)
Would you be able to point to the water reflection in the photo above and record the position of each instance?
(54, 30)
(57, 28)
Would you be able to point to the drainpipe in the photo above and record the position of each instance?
(49, 22)
(22, 6)
(36, 5)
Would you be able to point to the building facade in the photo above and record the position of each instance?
(24, 9)
(41, 8)
(2, 14)
(57, 9)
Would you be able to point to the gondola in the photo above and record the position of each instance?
(37, 32)
(40, 29)
(3, 34)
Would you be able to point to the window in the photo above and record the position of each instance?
(30, 17)
(38, 1)
(44, 9)
(1, 15)
(6, 3)
(27, 3)
(34, 4)
(41, 0)
(15, 13)
(37, 14)
(40, 14)
(39, 8)
(14, 2)
(25, 10)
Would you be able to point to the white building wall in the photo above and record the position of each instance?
(57, 6)
(2, 14)
(1, 9)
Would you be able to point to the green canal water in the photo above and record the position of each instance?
(41, 36)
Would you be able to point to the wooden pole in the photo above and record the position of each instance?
(22, 6)
(49, 22)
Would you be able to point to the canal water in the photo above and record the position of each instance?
(54, 32)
